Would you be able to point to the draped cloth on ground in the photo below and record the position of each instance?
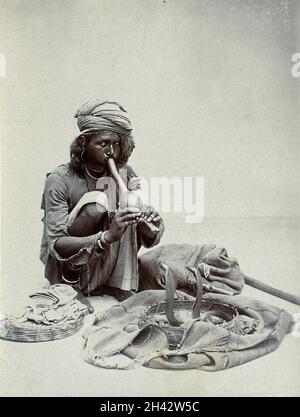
(259, 330)
(220, 272)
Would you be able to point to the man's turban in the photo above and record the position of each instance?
(106, 115)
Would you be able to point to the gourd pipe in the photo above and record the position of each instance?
(128, 198)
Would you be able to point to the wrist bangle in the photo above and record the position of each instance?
(75, 284)
(100, 244)
(104, 239)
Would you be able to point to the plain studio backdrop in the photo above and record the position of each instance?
(209, 89)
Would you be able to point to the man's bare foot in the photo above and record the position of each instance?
(84, 300)
(121, 295)
(115, 292)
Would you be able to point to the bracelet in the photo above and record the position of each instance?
(72, 283)
(104, 240)
(99, 244)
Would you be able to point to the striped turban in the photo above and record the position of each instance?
(103, 115)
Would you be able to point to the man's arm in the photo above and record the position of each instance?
(67, 246)
(70, 245)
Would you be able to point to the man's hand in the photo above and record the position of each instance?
(121, 220)
(149, 215)
(134, 183)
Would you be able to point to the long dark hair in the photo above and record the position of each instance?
(78, 146)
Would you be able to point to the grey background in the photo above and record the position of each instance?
(209, 89)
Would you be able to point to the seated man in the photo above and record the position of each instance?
(89, 241)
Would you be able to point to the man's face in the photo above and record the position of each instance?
(102, 147)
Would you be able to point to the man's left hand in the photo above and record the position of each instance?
(149, 215)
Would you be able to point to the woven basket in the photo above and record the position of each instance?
(172, 315)
(12, 329)
(37, 324)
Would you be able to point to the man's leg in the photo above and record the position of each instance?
(89, 221)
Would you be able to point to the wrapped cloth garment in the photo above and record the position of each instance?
(120, 338)
(108, 115)
(118, 266)
(64, 196)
